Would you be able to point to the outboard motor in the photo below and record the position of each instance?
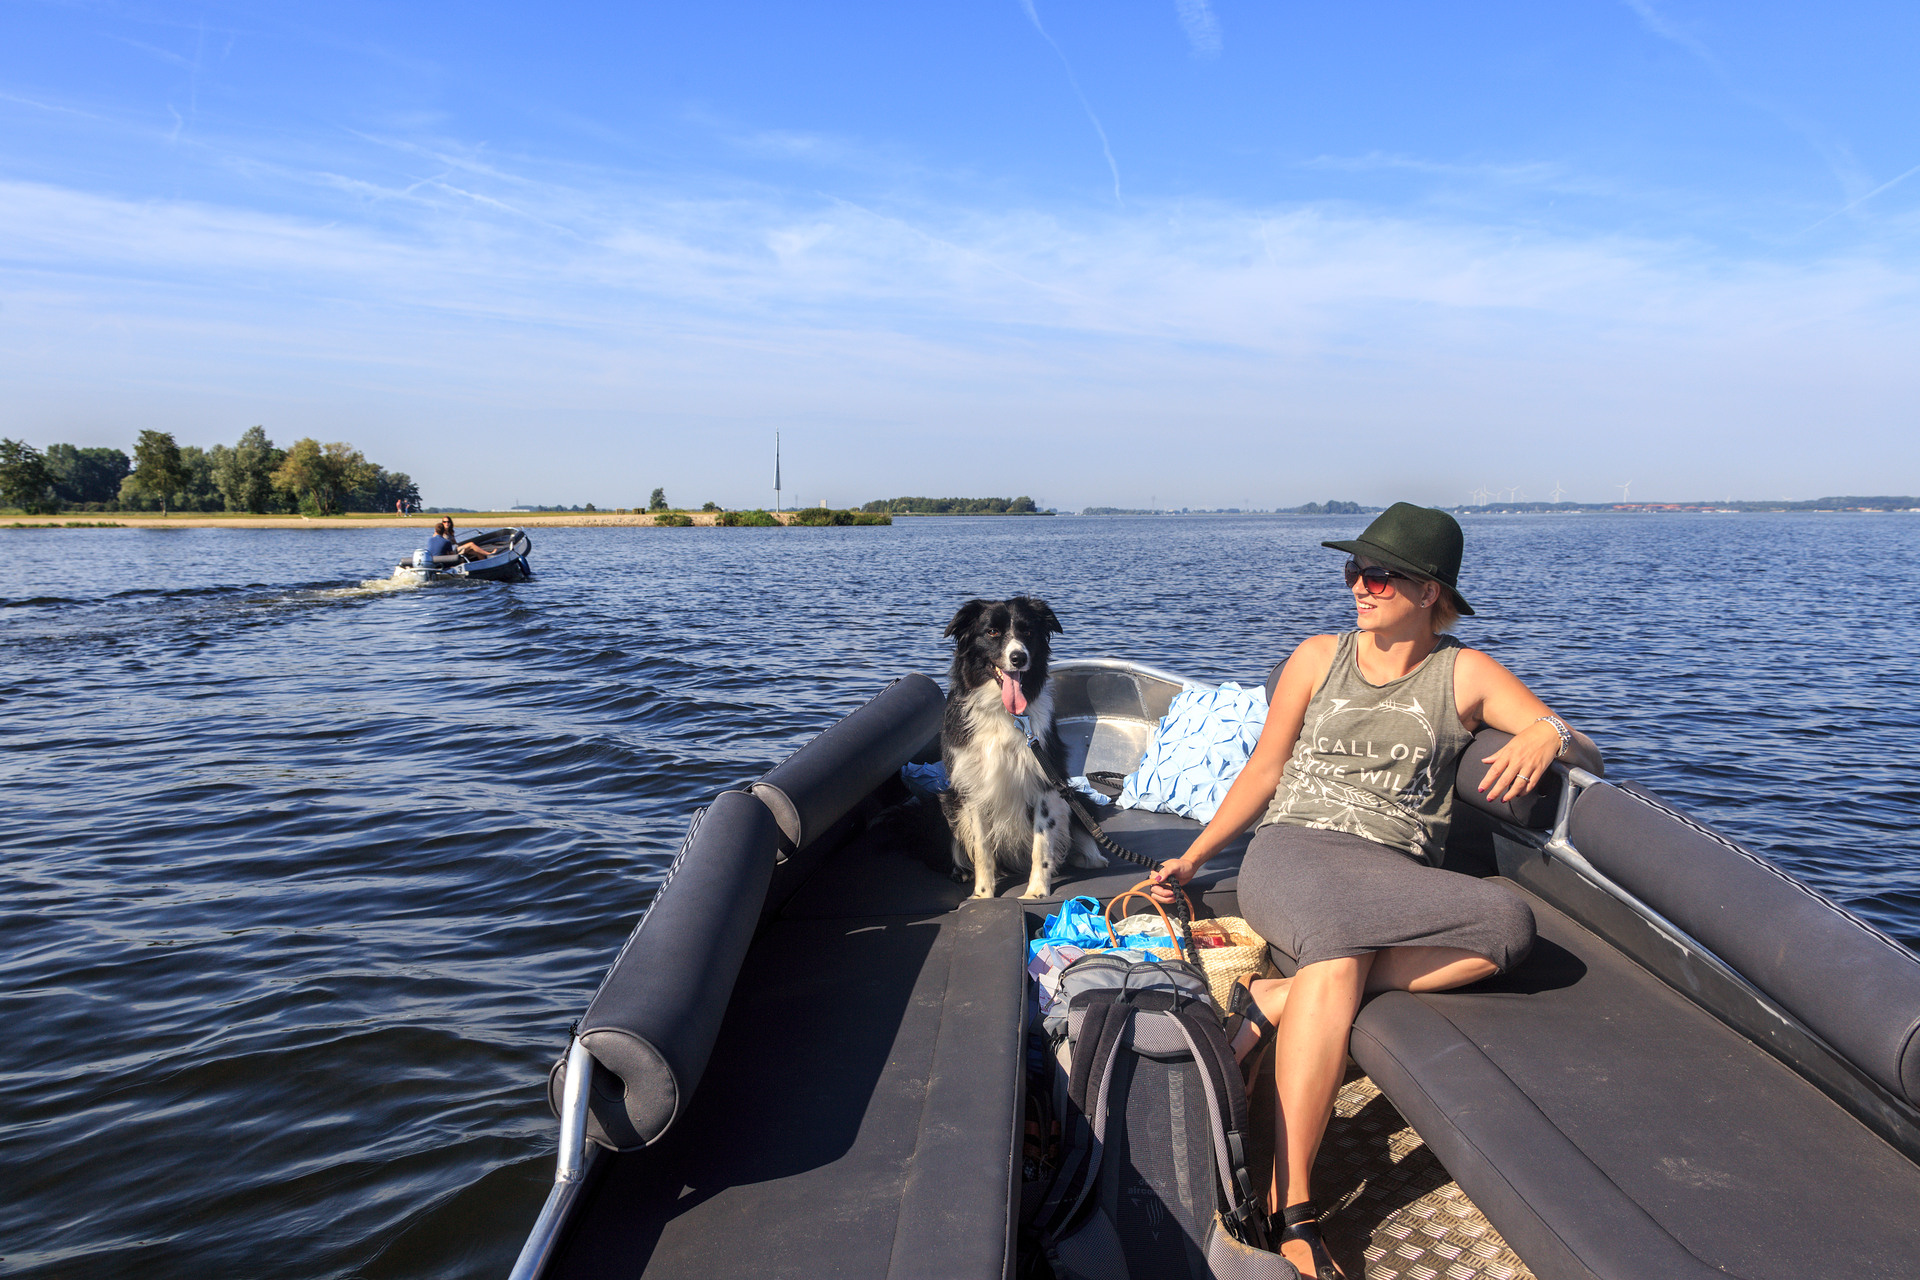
(421, 560)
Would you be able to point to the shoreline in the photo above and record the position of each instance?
(479, 521)
(463, 520)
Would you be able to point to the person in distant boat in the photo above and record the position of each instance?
(443, 543)
(1351, 786)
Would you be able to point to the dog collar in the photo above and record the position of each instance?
(1026, 726)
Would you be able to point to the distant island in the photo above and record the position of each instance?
(1329, 508)
(1021, 506)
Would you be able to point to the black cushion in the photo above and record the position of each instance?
(1535, 810)
(859, 1117)
(1611, 1128)
(1853, 986)
(653, 1021)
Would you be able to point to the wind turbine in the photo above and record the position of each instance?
(1480, 496)
(1512, 489)
(1557, 491)
(1623, 488)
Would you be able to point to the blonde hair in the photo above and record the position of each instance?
(1445, 612)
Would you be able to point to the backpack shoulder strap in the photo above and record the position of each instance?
(1227, 1111)
(1104, 1031)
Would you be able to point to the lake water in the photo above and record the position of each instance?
(307, 873)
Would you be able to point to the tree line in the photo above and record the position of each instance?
(1021, 506)
(253, 475)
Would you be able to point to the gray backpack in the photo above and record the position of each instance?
(1152, 1179)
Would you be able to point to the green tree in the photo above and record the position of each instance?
(86, 476)
(157, 469)
(24, 481)
(382, 489)
(658, 502)
(244, 473)
(323, 475)
(197, 491)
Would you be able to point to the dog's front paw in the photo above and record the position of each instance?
(960, 875)
(1036, 889)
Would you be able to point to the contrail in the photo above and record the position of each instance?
(1033, 16)
(1849, 207)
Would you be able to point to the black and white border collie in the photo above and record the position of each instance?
(998, 803)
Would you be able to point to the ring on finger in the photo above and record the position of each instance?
(1525, 778)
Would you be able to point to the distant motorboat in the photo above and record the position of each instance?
(506, 562)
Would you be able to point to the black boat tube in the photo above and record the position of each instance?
(643, 1044)
(817, 786)
(810, 790)
(652, 1024)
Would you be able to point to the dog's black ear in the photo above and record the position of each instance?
(1044, 612)
(969, 614)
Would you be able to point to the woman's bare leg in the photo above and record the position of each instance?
(1311, 1054)
(1309, 1060)
(1426, 969)
(1270, 994)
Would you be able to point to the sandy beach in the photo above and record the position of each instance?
(466, 522)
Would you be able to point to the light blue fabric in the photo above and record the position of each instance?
(1079, 922)
(1079, 783)
(1198, 749)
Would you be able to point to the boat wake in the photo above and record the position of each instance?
(402, 579)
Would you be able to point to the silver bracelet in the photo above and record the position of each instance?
(1559, 727)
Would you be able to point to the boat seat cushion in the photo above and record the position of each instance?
(902, 864)
(1611, 1128)
(859, 1117)
(1855, 987)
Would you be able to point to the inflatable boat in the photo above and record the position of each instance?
(810, 1058)
(506, 561)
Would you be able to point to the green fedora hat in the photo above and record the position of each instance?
(1424, 541)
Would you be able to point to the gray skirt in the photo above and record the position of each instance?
(1326, 895)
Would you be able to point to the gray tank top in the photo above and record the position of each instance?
(1378, 760)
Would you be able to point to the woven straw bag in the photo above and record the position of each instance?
(1245, 951)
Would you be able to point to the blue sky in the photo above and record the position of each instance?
(1203, 252)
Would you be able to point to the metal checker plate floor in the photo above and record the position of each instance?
(1391, 1212)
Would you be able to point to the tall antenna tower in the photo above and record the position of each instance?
(776, 471)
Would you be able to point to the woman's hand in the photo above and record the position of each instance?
(1178, 870)
(1517, 768)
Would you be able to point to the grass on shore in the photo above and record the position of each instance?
(66, 524)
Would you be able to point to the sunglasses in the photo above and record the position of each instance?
(1379, 581)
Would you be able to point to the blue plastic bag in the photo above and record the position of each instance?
(1079, 922)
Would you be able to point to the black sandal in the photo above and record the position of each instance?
(1243, 1006)
(1302, 1223)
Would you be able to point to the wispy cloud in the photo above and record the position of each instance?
(1033, 16)
(1202, 28)
(1834, 157)
(430, 282)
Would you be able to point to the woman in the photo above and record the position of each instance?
(443, 540)
(1352, 783)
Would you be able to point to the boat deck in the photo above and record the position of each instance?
(1392, 1212)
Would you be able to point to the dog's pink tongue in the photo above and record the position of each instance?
(1010, 695)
